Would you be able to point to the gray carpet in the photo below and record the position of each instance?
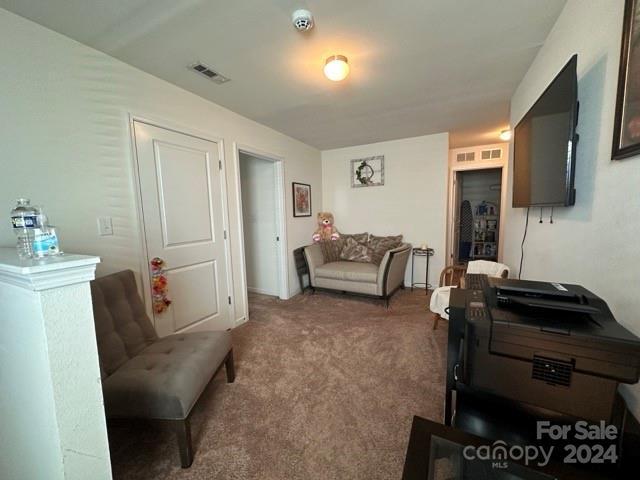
(326, 388)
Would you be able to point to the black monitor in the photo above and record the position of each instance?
(545, 145)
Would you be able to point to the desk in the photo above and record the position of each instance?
(421, 252)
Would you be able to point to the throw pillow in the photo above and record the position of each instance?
(331, 249)
(380, 246)
(354, 251)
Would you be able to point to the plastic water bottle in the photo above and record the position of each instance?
(45, 238)
(24, 219)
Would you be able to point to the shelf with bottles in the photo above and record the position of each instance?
(484, 250)
(486, 209)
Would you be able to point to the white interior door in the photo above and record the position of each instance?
(182, 204)
(259, 213)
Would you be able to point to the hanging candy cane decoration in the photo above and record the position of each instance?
(159, 288)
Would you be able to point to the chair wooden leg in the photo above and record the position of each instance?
(183, 435)
(436, 319)
(231, 370)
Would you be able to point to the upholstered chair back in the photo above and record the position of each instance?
(123, 328)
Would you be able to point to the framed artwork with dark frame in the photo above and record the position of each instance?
(301, 199)
(626, 134)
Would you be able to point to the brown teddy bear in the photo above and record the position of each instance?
(326, 230)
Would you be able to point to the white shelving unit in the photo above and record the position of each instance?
(485, 237)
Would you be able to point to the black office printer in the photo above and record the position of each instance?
(548, 345)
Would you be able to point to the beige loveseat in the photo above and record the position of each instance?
(380, 281)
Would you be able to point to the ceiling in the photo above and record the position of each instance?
(417, 66)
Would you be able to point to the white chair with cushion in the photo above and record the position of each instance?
(451, 277)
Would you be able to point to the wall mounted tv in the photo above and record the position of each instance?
(545, 145)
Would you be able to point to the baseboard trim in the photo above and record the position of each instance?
(261, 291)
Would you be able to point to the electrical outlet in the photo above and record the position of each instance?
(105, 226)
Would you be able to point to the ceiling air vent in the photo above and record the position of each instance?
(551, 372)
(492, 154)
(466, 157)
(202, 69)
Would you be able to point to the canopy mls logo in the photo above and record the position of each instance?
(499, 454)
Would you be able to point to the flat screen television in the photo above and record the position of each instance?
(544, 148)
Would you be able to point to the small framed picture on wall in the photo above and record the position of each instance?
(301, 199)
(367, 172)
(626, 134)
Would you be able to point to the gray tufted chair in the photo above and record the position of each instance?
(144, 376)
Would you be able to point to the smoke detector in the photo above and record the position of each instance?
(302, 20)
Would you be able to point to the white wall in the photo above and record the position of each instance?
(259, 208)
(595, 242)
(411, 202)
(51, 404)
(66, 144)
(27, 407)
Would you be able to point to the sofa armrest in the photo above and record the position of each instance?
(392, 269)
(315, 259)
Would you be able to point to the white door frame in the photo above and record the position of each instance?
(144, 267)
(451, 200)
(281, 219)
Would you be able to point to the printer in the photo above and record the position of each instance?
(548, 346)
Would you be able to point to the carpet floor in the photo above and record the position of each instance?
(326, 388)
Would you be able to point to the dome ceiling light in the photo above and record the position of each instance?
(336, 68)
(505, 135)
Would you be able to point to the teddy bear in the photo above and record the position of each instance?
(326, 230)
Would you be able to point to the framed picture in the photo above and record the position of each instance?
(626, 134)
(301, 199)
(367, 172)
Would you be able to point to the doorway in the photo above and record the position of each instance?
(262, 204)
(477, 213)
(182, 203)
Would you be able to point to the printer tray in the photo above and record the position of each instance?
(589, 356)
(572, 393)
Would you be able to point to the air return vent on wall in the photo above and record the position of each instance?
(466, 157)
(493, 154)
(202, 69)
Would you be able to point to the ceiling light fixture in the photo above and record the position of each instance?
(336, 68)
(505, 135)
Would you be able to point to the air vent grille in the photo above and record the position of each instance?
(466, 157)
(211, 74)
(491, 154)
(552, 372)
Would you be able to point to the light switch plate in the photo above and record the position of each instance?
(105, 226)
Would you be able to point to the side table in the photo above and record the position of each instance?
(302, 268)
(421, 252)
